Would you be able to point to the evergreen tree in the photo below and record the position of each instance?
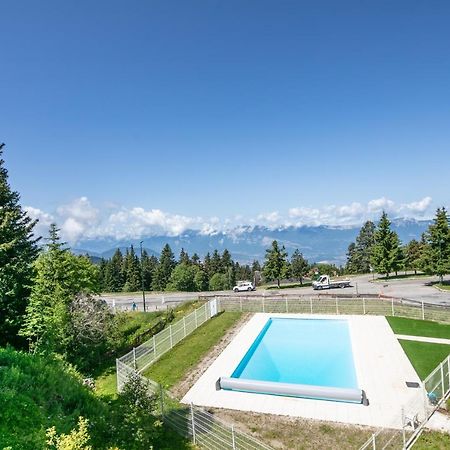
(18, 250)
(195, 259)
(386, 256)
(359, 254)
(437, 250)
(216, 263)
(60, 275)
(351, 265)
(413, 253)
(299, 266)
(164, 269)
(149, 264)
(114, 279)
(275, 264)
(207, 265)
(132, 272)
(226, 261)
(184, 257)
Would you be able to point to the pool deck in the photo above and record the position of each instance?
(382, 368)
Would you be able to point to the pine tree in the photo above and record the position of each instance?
(386, 256)
(132, 271)
(275, 264)
(184, 257)
(359, 254)
(149, 264)
(413, 253)
(195, 259)
(114, 276)
(216, 263)
(164, 269)
(299, 266)
(18, 250)
(351, 265)
(437, 250)
(60, 276)
(207, 265)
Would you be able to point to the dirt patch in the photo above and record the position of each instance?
(182, 387)
(282, 432)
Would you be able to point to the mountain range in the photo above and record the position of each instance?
(246, 243)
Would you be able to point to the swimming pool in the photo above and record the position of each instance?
(299, 357)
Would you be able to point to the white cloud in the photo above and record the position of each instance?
(419, 207)
(380, 204)
(44, 220)
(79, 219)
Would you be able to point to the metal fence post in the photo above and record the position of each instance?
(442, 379)
(310, 301)
(287, 307)
(195, 316)
(364, 306)
(448, 368)
(154, 347)
(263, 306)
(170, 335)
(161, 395)
(423, 311)
(193, 424)
(337, 306)
(134, 358)
(233, 441)
(374, 444)
(240, 302)
(403, 427)
(392, 306)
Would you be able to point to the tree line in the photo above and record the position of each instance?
(131, 272)
(378, 248)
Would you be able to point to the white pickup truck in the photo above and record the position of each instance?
(325, 282)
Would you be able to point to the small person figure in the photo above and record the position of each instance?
(134, 306)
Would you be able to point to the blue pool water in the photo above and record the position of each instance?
(302, 351)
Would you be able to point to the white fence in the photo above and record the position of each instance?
(209, 432)
(203, 428)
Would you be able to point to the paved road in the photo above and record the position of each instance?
(413, 289)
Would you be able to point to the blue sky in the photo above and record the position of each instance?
(166, 115)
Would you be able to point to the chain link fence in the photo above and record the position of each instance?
(208, 432)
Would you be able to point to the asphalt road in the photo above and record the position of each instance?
(412, 289)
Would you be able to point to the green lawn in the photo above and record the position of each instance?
(444, 287)
(133, 326)
(432, 440)
(173, 365)
(424, 356)
(413, 327)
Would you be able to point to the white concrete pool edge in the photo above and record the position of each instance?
(381, 367)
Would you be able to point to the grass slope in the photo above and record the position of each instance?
(415, 327)
(432, 440)
(39, 392)
(173, 365)
(424, 356)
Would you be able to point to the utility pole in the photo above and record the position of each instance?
(142, 278)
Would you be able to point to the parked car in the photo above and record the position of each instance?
(242, 286)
